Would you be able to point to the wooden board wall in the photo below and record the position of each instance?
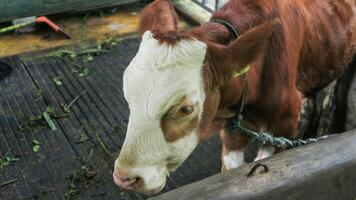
(14, 9)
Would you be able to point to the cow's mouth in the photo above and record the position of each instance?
(155, 191)
(172, 167)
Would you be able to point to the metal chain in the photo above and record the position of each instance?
(264, 137)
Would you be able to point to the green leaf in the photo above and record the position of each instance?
(50, 109)
(83, 72)
(57, 80)
(90, 58)
(36, 142)
(49, 121)
(36, 148)
(4, 162)
(36, 145)
(11, 159)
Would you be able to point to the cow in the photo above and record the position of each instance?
(181, 86)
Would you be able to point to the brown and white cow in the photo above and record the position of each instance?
(180, 86)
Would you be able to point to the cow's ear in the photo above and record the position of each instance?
(251, 44)
(158, 16)
(223, 62)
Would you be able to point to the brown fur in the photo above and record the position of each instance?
(159, 16)
(176, 125)
(293, 47)
(174, 129)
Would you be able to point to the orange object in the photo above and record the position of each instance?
(43, 19)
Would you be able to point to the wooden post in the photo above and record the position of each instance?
(192, 10)
(323, 170)
(14, 9)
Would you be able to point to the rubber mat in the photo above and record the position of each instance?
(5, 69)
(76, 160)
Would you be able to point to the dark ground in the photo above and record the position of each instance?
(71, 161)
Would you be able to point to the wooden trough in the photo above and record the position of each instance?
(323, 170)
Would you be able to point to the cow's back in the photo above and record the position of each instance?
(329, 42)
(316, 41)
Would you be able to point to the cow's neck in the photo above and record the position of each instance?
(230, 93)
(213, 32)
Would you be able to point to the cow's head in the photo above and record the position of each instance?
(172, 89)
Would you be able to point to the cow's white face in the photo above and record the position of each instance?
(164, 88)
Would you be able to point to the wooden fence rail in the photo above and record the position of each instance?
(13, 9)
(323, 170)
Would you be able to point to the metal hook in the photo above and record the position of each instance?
(254, 168)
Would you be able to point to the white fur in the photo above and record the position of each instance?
(265, 152)
(234, 159)
(156, 79)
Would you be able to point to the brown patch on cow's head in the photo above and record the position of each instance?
(180, 120)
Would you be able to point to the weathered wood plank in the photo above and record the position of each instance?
(324, 170)
(13, 9)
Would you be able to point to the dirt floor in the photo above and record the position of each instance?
(63, 116)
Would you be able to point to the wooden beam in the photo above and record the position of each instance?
(323, 170)
(192, 11)
(14, 9)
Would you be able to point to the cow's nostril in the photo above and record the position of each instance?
(137, 178)
(137, 183)
(127, 182)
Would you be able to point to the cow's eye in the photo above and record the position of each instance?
(186, 110)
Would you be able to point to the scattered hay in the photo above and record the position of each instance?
(35, 123)
(81, 178)
(103, 146)
(80, 59)
(6, 161)
(8, 182)
(36, 145)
